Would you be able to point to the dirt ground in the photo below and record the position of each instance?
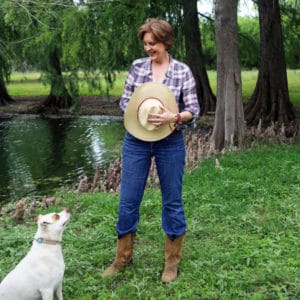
(89, 105)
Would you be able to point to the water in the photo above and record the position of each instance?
(40, 155)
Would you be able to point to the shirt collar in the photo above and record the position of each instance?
(147, 67)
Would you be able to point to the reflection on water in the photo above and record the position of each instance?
(39, 155)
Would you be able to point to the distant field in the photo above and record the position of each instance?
(30, 84)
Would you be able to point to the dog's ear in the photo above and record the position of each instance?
(36, 219)
(56, 217)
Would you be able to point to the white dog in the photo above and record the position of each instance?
(40, 273)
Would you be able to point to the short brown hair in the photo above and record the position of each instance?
(161, 30)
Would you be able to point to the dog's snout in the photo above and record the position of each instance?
(67, 210)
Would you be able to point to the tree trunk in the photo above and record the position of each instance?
(4, 96)
(229, 127)
(195, 58)
(154, 9)
(270, 100)
(59, 96)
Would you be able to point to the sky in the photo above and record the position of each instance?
(246, 7)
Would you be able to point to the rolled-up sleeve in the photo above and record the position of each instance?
(128, 89)
(189, 94)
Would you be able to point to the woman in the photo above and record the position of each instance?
(169, 152)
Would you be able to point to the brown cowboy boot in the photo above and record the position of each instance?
(172, 258)
(123, 254)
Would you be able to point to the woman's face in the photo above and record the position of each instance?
(156, 50)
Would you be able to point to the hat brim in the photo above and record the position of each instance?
(131, 121)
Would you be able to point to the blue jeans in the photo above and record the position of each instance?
(169, 155)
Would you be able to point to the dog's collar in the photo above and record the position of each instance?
(45, 241)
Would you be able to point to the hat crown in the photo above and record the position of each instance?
(148, 106)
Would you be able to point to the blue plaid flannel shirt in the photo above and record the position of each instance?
(179, 79)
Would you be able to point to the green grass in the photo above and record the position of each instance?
(294, 87)
(29, 84)
(249, 79)
(242, 240)
(28, 88)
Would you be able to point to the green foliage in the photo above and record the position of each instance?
(242, 240)
(291, 29)
(208, 43)
(6, 34)
(39, 25)
(249, 42)
(248, 31)
(100, 37)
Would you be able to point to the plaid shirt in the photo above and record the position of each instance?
(179, 79)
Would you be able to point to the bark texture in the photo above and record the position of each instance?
(270, 101)
(195, 58)
(4, 96)
(59, 96)
(229, 127)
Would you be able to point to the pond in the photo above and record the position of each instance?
(39, 155)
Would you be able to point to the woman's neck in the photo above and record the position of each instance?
(162, 60)
(160, 68)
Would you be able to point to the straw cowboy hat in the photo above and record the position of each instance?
(148, 98)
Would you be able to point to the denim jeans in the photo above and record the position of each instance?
(169, 155)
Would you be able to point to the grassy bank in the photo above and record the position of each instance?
(242, 240)
(29, 84)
